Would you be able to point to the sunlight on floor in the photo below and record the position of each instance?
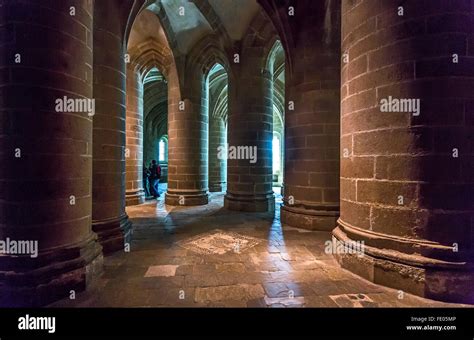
(207, 256)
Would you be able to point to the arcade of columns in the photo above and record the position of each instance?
(346, 163)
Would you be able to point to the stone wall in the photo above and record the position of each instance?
(406, 177)
(311, 38)
(249, 182)
(134, 128)
(188, 142)
(46, 152)
(109, 219)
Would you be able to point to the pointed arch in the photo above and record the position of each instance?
(206, 53)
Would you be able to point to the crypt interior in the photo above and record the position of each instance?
(276, 157)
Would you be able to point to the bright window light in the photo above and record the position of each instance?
(161, 151)
(276, 154)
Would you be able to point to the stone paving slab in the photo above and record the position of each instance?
(186, 257)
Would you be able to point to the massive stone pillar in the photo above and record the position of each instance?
(109, 219)
(250, 132)
(187, 141)
(135, 193)
(217, 164)
(46, 151)
(406, 170)
(311, 180)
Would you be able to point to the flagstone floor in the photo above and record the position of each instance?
(210, 257)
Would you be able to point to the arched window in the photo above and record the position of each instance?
(162, 150)
(276, 148)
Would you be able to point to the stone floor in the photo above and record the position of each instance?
(207, 256)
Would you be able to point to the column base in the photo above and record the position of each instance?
(134, 197)
(217, 187)
(36, 282)
(422, 268)
(186, 198)
(319, 218)
(113, 233)
(250, 203)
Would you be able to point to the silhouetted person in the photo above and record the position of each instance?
(154, 179)
(146, 180)
(158, 175)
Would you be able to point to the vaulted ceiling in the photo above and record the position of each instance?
(187, 22)
(235, 15)
(179, 25)
(184, 22)
(147, 26)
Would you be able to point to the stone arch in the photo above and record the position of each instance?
(144, 57)
(206, 53)
(219, 109)
(150, 54)
(155, 115)
(216, 23)
(275, 66)
(158, 121)
(261, 35)
(279, 16)
(159, 11)
(274, 61)
(137, 7)
(164, 137)
(217, 82)
(157, 93)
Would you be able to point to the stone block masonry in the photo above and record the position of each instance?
(46, 156)
(406, 172)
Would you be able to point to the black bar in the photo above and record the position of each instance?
(307, 323)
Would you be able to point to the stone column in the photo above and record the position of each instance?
(109, 219)
(46, 151)
(217, 165)
(187, 141)
(249, 181)
(406, 171)
(135, 193)
(311, 180)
